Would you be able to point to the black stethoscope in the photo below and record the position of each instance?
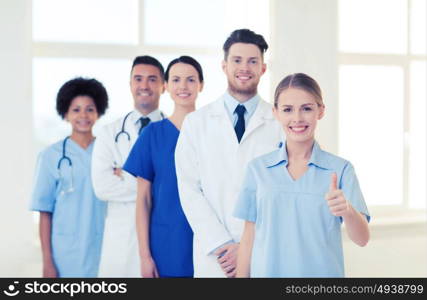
(70, 164)
(123, 131)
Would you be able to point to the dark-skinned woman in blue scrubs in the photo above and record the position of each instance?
(71, 216)
(165, 237)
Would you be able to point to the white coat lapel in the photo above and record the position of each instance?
(220, 115)
(262, 113)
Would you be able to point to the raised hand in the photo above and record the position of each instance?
(337, 203)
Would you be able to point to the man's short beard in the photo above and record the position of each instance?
(147, 106)
(250, 90)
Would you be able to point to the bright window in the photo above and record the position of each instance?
(418, 135)
(164, 29)
(382, 98)
(86, 21)
(373, 26)
(418, 26)
(371, 129)
(180, 25)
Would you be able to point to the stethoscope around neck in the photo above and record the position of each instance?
(65, 158)
(123, 131)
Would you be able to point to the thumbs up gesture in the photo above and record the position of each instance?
(337, 203)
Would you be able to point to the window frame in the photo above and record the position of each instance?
(403, 61)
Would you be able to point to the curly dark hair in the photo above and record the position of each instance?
(81, 87)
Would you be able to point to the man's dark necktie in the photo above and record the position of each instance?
(240, 125)
(144, 122)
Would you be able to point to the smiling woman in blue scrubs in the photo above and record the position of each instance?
(164, 235)
(295, 198)
(71, 217)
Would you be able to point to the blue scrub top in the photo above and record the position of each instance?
(171, 238)
(295, 233)
(77, 216)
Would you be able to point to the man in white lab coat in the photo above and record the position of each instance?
(215, 145)
(119, 255)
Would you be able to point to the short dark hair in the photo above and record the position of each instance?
(149, 60)
(299, 81)
(245, 36)
(185, 60)
(81, 87)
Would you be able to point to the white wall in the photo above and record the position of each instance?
(15, 130)
(305, 40)
(395, 250)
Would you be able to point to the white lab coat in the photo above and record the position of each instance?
(119, 255)
(210, 166)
